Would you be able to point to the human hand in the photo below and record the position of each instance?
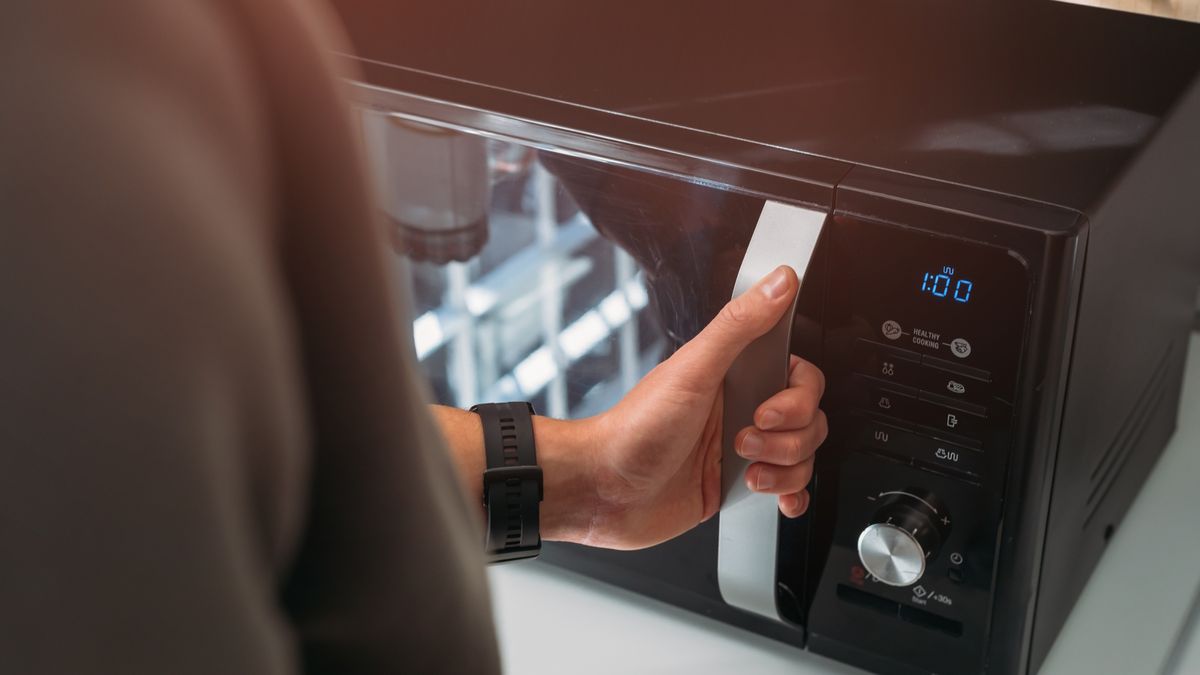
(655, 457)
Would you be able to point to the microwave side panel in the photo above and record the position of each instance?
(1045, 371)
(1136, 314)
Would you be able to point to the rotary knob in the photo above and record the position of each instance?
(903, 536)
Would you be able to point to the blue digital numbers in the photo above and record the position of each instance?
(943, 285)
(962, 290)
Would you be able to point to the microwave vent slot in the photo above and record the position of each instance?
(1108, 467)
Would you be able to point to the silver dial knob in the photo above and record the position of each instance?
(905, 533)
(891, 555)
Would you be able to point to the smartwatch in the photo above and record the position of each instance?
(512, 482)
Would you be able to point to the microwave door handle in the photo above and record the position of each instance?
(749, 521)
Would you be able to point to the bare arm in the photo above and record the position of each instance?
(649, 468)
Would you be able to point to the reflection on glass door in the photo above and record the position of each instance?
(516, 295)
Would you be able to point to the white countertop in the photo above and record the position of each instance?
(1130, 620)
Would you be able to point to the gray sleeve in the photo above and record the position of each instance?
(151, 418)
(389, 575)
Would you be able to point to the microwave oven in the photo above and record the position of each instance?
(995, 209)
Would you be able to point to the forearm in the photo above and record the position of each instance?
(564, 452)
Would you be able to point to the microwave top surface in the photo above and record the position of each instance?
(1040, 100)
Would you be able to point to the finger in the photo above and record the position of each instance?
(799, 370)
(796, 406)
(778, 480)
(782, 447)
(741, 321)
(795, 504)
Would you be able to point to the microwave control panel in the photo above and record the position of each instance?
(923, 337)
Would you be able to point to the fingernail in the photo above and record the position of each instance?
(752, 445)
(774, 284)
(765, 480)
(794, 506)
(769, 419)
(787, 504)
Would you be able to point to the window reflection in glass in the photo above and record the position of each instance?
(516, 295)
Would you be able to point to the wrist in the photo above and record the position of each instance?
(566, 454)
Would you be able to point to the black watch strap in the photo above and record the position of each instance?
(512, 482)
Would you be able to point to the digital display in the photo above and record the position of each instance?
(964, 302)
(944, 285)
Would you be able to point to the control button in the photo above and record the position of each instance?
(891, 330)
(889, 399)
(960, 347)
(882, 436)
(957, 368)
(953, 386)
(957, 404)
(904, 533)
(889, 350)
(888, 363)
(946, 456)
(950, 420)
(926, 450)
(892, 403)
(955, 574)
(891, 554)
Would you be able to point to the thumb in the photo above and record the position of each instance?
(741, 321)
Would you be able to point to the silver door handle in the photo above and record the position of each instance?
(749, 521)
